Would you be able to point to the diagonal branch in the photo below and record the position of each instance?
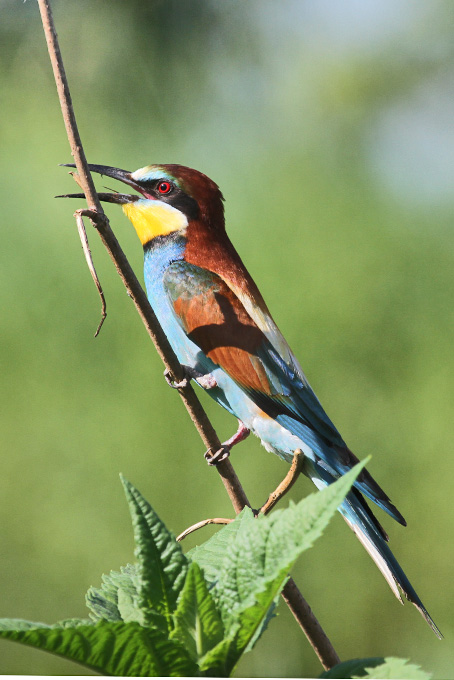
(291, 594)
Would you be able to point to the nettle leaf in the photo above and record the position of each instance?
(162, 617)
(198, 625)
(396, 669)
(379, 668)
(64, 623)
(18, 625)
(216, 663)
(259, 556)
(210, 554)
(162, 566)
(248, 563)
(262, 611)
(117, 599)
(352, 668)
(111, 648)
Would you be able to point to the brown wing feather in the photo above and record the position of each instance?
(212, 250)
(218, 323)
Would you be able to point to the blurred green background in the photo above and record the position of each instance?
(328, 126)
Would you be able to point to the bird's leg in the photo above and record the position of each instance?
(207, 380)
(224, 452)
(239, 436)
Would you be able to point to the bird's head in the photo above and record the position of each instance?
(171, 198)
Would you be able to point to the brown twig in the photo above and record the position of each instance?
(91, 266)
(286, 484)
(291, 594)
(200, 525)
(67, 108)
(319, 640)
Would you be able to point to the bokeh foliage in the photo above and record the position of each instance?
(312, 129)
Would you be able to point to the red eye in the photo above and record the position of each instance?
(164, 187)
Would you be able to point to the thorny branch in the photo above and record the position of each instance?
(299, 607)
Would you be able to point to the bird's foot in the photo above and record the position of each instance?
(172, 382)
(207, 380)
(224, 451)
(218, 457)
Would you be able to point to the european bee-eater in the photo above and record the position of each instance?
(222, 332)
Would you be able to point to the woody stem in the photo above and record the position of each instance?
(299, 607)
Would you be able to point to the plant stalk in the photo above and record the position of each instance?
(299, 607)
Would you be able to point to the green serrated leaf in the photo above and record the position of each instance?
(183, 621)
(261, 553)
(252, 618)
(128, 607)
(110, 648)
(263, 625)
(379, 668)
(210, 554)
(254, 558)
(198, 625)
(102, 606)
(24, 625)
(117, 594)
(216, 662)
(353, 667)
(395, 669)
(162, 566)
(69, 623)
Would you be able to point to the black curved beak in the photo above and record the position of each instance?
(115, 173)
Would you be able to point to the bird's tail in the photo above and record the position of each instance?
(369, 531)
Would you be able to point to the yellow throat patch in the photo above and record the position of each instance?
(154, 218)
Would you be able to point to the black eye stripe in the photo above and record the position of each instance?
(174, 196)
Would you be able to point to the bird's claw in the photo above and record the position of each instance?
(224, 452)
(172, 382)
(218, 457)
(239, 436)
(207, 380)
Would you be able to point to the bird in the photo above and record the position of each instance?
(224, 336)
